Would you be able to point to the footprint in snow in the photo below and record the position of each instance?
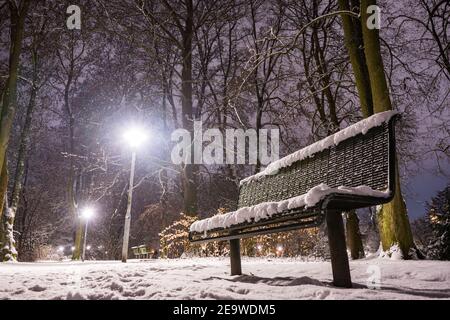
(37, 288)
(322, 294)
(20, 291)
(137, 293)
(238, 291)
(116, 287)
(74, 296)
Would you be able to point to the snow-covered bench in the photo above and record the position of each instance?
(141, 252)
(353, 168)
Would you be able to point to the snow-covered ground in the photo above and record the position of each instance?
(208, 278)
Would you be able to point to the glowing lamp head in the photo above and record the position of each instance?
(279, 248)
(88, 247)
(134, 137)
(259, 247)
(87, 213)
(60, 248)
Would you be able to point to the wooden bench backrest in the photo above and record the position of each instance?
(365, 159)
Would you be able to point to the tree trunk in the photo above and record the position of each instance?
(72, 179)
(353, 235)
(322, 68)
(364, 50)
(71, 185)
(3, 205)
(163, 176)
(393, 223)
(18, 12)
(3, 185)
(393, 219)
(9, 95)
(23, 226)
(374, 60)
(21, 157)
(76, 255)
(8, 249)
(258, 128)
(355, 48)
(189, 170)
(73, 209)
(23, 149)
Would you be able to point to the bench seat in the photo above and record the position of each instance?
(298, 206)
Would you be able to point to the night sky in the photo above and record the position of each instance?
(421, 188)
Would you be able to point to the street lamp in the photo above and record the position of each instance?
(280, 249)
(134, 137)
(86, 214)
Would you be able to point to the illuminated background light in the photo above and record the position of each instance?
(134, 137)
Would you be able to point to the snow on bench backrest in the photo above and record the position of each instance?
(355, 156)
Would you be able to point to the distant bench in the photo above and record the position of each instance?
(143, 252)
(353, 168)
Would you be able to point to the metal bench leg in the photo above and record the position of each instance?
(235, 257)
(338, 250)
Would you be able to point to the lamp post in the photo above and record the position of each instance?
(86, 214)
(134, 137)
